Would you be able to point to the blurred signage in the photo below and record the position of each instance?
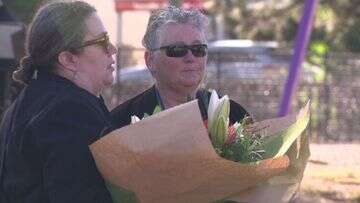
(126, 5)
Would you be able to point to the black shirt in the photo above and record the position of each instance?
(44, 138)
(147, 101)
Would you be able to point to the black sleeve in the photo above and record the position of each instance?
(140, 104)
(69, 171)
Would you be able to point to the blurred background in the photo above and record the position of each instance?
(251, 43)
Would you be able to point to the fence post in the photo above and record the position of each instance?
(302, 39)
(326, 96)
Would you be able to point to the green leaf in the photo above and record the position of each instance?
(222, 130)
(277, 145)
(120, 195)
(219, 132)
(157, 109)
(238, 129)
(145, 115)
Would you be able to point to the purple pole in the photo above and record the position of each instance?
(302, 40)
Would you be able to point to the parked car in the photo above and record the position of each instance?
(247, 51)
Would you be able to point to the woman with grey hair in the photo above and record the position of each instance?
(45, 133)
(176, 55)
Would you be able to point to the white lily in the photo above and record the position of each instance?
(218, 118)
(213, 104)
(134, 119)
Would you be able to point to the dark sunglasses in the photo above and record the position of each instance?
(103, 41)
(198, 50)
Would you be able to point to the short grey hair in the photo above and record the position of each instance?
(171, 14)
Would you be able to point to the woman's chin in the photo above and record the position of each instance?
(109, 81)
(191, 83)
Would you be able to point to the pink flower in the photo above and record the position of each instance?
(231, 136)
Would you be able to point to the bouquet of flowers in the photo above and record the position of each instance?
(242, 141)
(168, 157)
(232, 142)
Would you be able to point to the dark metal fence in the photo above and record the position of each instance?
(257, 82)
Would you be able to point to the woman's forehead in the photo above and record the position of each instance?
(184, 32)
(94, 26)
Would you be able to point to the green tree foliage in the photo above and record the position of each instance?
(335, 23)
(351, 38)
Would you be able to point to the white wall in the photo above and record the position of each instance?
(133, 27)
(107, 13)
(129, 30)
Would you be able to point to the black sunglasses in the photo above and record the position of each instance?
(103, 41)
(198, 50)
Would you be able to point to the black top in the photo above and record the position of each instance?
(147, 101)
(44, 138)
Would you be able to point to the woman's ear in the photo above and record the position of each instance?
(67, 60)
(149, 61)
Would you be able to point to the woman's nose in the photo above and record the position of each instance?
(189, 57)
(112, 49)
